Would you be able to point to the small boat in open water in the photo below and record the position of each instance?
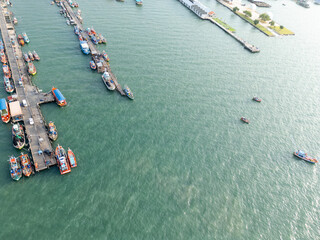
(108, 81)
(53, 134)
(256, 99)
(245, 120)
(61, 101)
(63, 164)
(5, 114)
(25, 164)
(302, 155)
(18, 137)
(25, 38)
(8, 85)
(72, 158)
(93, 65)
(36, 56)
(31, 68)
(30, 55)
(128, 92)
(15, 168)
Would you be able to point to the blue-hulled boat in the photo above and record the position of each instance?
(25, 37)
(84, 47)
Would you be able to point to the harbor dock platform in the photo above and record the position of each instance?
(94, 51)
(39, 143)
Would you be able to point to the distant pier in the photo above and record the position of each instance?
(36, 133)
(94, 52)
(204, 13)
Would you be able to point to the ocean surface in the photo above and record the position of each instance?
(177, 162)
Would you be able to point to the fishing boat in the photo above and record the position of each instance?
(108, 81)
(20, 40)
(26, 57)
(25, 165)
(139, 2)
(302, 155)
(128, 92)
(103, 39)
(6, 71)
(76, 30)
(8, 85)
(68, 22)
(243, 119)
(72, 158)
(93, 65)
(4, 59)
(256, 99)
(31, 68)
(15, 168)
(63, 164)
(53, 134)
(84, 47)
(30, 56)
(25, 38)
(61, 101)
(15, 21)
(105, 56)
(18, 137)
(94, 39)
(5, 114)
(36, 56)
(12, 98)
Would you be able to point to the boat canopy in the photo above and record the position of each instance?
(3, 104)
(15, 109)
(59, 95)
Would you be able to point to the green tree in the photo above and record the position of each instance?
(247, 13)
(256, 22)
(281, 27)
(272, 23)
(235, 9)
(264, 17)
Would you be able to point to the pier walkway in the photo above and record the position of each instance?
(36, 133)
(93, 49)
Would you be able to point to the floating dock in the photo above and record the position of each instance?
(94, 51)
(36, 133)
(204, 13)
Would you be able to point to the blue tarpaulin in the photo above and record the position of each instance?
(59, 95)
(3, 104)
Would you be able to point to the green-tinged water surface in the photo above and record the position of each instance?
(177, 162)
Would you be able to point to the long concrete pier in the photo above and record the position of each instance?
(36, 133)
(93, 49)
(204, 13)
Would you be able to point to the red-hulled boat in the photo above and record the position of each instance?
(5, 114)
(72, 158)
(20, 40)
(63, 164)
(25, 164)
(61, 101)
(6, 71)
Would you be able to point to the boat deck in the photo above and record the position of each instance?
(37, 132)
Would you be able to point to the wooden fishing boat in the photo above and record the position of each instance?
(245, 120)
(53, 134)
(302, 155)
(15, 168)
(25, 164)
(63, 164)
(61, 101)
(72, 158)
(4, 108)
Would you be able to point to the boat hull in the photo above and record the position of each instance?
(306, 159)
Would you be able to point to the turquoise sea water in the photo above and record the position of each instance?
(175, 163)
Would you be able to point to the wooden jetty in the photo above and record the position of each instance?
(204, 13)
(94, 51)
(37, 136)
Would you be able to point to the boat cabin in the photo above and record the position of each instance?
(15, 110)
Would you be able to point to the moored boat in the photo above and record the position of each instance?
(302, 155)
(30, 56)
(4, 108)
(72, 158)
(63, 164)
(84, 47)
(53, 134)
(25, 164)
(94, 39)
(245, 120)
(26, 57)
(31, 68)
(76, 30)
(15, 21)
(108, 81)
(8, 85)
(36, 56)
(61, 101)
(4, 59)
(18, 137)
(93, 65)
(15, 168)
(6, 71)
(103, 39)
(105, 56)
(25, 38)
(128, 92)
(20, 40)
(256, 99)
